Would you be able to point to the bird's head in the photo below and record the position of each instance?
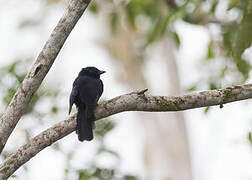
(91, 72)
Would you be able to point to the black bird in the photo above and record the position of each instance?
(86, 91)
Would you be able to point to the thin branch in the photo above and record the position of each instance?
(136, 101)
(40, 68)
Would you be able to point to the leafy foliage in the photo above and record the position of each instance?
(12, 75)
(237, 37)
(236, 34)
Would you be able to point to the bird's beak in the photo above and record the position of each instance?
(101, 72)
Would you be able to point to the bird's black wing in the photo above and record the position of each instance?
(74, 95)
(99, 90)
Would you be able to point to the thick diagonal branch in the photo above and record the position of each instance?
(40, 68)
(136, 101)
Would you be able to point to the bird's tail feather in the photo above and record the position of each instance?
(84, 125)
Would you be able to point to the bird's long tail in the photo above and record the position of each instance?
(84, 124)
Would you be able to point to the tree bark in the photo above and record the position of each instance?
(40, 68)
(136, 101)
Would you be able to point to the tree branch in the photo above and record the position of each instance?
(136, 101)
(40, 68)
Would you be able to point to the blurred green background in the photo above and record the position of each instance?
(169, 46)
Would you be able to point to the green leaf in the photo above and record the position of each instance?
(243, 37)
(93, 7)
(232, 4)
(10, 93)
(238, 37)
(210, 51)
(20, 77)
(134, 8)
(130, 177)
(214, 5)
(82, 175)
(114, 21)
(250, 137)
(103, 127)
(244, 67)
(213, 86)
(158, 29)
(206, 110)
(54, 109)
(228, 36)
(192, 88)
(176, 39)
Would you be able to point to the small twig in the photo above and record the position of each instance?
(142, 91)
